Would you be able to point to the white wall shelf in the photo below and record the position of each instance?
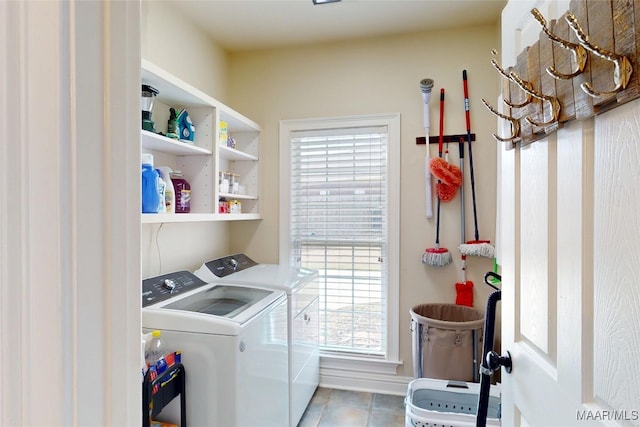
(196, 217)
(202, 161)
(232, 196)
(155, 142)
(233, 154)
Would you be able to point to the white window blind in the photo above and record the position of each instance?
(338, 224)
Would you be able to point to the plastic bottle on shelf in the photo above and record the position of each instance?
(182, 192)
(162, 208)
(169, 191)
(150, 195)
(144, 339)
(155, 349)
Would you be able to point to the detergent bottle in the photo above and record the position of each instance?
(161, 188)
(169, 190)
(150, 194)
(182, 192)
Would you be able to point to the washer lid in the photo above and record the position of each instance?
(279, 276)
(217, 309)
(240, 269)
(220, 300)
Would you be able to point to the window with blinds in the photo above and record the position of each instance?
(338, 226)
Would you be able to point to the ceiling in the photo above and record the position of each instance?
(241, 25)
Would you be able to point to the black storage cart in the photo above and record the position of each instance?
(157, 393)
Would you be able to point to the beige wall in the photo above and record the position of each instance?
(367, 76)
(377, 76)
(171, 42)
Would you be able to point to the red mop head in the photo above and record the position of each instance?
(478, 248)
(436, 257)
(445, 172)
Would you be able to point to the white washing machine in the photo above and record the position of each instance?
(234, 348)
(302, 288)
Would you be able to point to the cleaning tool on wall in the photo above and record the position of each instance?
(425, 87)
(464, 288)
(447, 191)
(448, 175)
(437, 256)
(475, 247)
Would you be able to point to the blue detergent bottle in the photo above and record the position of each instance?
(150, 193)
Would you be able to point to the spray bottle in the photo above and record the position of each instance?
(169, 191)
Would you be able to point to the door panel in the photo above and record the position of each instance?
(570, 257)
(616, 255)
(535, 315)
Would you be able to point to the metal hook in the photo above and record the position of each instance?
(515, 124)
(622, 71)
(555, 104)
(578, 52)
(508, 77)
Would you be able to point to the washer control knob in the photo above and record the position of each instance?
(169, 284)
(234, 264)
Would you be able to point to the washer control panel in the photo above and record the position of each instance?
(161, 288)
(230, 264)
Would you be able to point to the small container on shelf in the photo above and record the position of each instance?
(234, 184)
(223, 133)
(223, 206)
(235, 207)
(224, 181)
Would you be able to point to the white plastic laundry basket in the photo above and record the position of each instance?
(432, 402)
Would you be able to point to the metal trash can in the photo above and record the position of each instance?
(446, 341)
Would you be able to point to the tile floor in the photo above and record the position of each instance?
(343, 408)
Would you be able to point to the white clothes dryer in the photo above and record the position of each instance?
(233, 340)
(302, 288)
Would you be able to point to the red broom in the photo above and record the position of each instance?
(437, 256)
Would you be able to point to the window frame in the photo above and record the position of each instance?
(392, 122)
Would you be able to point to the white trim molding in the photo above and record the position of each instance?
(374, 376)
(69, 213)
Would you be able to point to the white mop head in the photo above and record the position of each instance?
(477, 249)
(436, 257)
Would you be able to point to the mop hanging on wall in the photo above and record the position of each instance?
(475, 247)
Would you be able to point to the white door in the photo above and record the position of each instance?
(570, 256)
